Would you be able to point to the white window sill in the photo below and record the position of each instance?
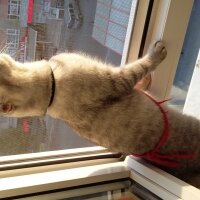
(157, 181)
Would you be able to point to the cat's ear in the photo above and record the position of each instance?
(6, 64)
(6, 108)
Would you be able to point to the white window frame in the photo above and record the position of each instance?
(14, 8)
(11, 47)
(59, 4)
(155, 180)
(134, 32)
(163, 25)
(55, 13)
(170, 25)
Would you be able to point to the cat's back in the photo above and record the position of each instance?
(72, 61)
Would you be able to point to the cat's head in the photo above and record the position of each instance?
(6, 64)
(19, 92)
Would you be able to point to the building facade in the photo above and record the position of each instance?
(24, 25)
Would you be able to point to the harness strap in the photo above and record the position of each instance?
(153, 155)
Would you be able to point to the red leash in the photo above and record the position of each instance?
(153, 155)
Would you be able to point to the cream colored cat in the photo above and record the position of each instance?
(98, 101)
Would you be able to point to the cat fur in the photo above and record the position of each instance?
(98, 101)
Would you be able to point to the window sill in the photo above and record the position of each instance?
(155, 180)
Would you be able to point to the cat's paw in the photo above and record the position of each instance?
(158, 51)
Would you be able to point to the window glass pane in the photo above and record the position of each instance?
(185, 90)
(37, 29)
(13, 9)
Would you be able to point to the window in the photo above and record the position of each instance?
(12, 41)
(130, 179)
(181, 67)
(110, 24)
(13, 9)
(92, 172)
(57, 9)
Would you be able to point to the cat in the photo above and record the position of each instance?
(99, 102)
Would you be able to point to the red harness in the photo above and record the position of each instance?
(153, 155)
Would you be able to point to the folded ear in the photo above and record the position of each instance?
(6, 64)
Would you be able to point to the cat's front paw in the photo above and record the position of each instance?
(158, 51)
